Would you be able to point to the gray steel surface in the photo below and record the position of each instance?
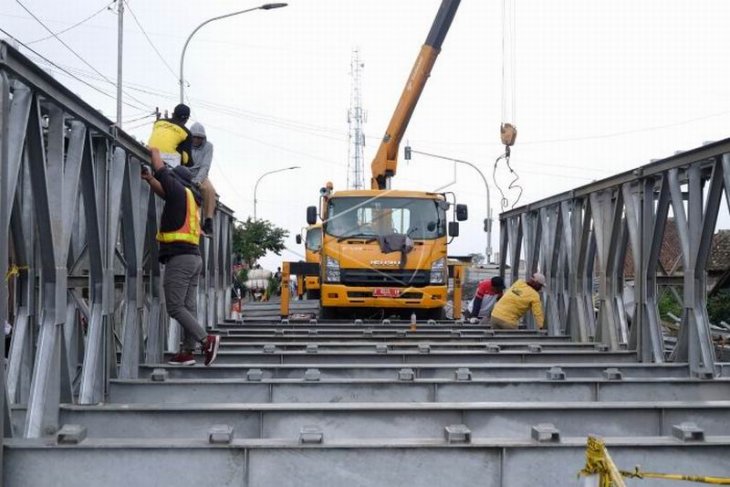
(479, 370)
(500, 463)
(420, 390)
(417, 356)
(397, 345)
(397, 420)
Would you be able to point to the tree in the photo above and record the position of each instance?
(253, 238)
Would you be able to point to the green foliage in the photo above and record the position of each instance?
(253, 238)
(718, 307)
(242, 276)
(668, 304)
(272, 288)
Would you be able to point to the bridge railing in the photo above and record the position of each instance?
(81, 281)
(580, 240)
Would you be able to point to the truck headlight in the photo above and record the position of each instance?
(438, 271)
(331, 269)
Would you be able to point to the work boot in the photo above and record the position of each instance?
(207, 227)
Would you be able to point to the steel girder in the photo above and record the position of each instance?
(581, 240)
(78, 227)
(256, 463)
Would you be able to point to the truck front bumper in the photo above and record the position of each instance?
(341, 296)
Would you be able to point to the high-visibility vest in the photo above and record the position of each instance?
(190, 231)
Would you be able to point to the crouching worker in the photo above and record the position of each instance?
(179, 238)
(520, 298)
(488, 292)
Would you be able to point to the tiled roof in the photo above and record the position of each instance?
(670, 256)
(720, 253)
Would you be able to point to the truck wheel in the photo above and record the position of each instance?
(327, 313)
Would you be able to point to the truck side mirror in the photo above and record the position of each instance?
(462, 213)
(453, 229)
(311, 215)
(298, 238)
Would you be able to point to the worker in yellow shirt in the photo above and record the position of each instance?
(521, 297)
(172, 138)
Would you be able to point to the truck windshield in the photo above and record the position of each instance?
(419, 218)
(314, 239)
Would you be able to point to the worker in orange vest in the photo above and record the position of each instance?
(179, 238)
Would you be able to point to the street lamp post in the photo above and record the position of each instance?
(488, 219)
(266, 6)
(256, 186)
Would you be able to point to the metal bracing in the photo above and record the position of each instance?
(591, 234)
(549, 245)
(77, 226)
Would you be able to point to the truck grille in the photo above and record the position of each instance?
(386, 277)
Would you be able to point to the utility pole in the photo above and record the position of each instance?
(120, 44)
(356, 119)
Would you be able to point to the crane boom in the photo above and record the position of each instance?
(385, 163)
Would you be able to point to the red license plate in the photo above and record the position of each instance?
(386, 292)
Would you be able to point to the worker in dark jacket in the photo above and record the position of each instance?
(179, 237)
(172, 138)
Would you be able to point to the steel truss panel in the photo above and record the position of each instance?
(72, 203)
(584, 238)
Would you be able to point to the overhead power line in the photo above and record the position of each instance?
(66, 72)
(154, 48)
(80, 22)
(77, 55)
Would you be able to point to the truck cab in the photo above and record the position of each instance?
(385, 254)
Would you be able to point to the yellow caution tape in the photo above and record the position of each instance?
(638, 474)
(14, 271)
(599, 462)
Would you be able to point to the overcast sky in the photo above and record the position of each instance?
(602, 86)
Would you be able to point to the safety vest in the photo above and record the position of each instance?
(190, 231)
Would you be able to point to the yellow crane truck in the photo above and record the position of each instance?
(309, 284)
(384, 251)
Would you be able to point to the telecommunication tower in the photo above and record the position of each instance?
(355, 120)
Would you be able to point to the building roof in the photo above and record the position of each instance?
(670, 255)
(720, 253)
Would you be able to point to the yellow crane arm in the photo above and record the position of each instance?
(385, 163)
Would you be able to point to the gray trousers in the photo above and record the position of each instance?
(181, 296)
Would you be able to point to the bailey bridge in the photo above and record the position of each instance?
(89, 399)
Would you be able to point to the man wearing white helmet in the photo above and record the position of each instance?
(520, 298)
(203, 158)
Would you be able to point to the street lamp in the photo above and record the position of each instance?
(256, 187)
(266, 6)
(488, 219)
